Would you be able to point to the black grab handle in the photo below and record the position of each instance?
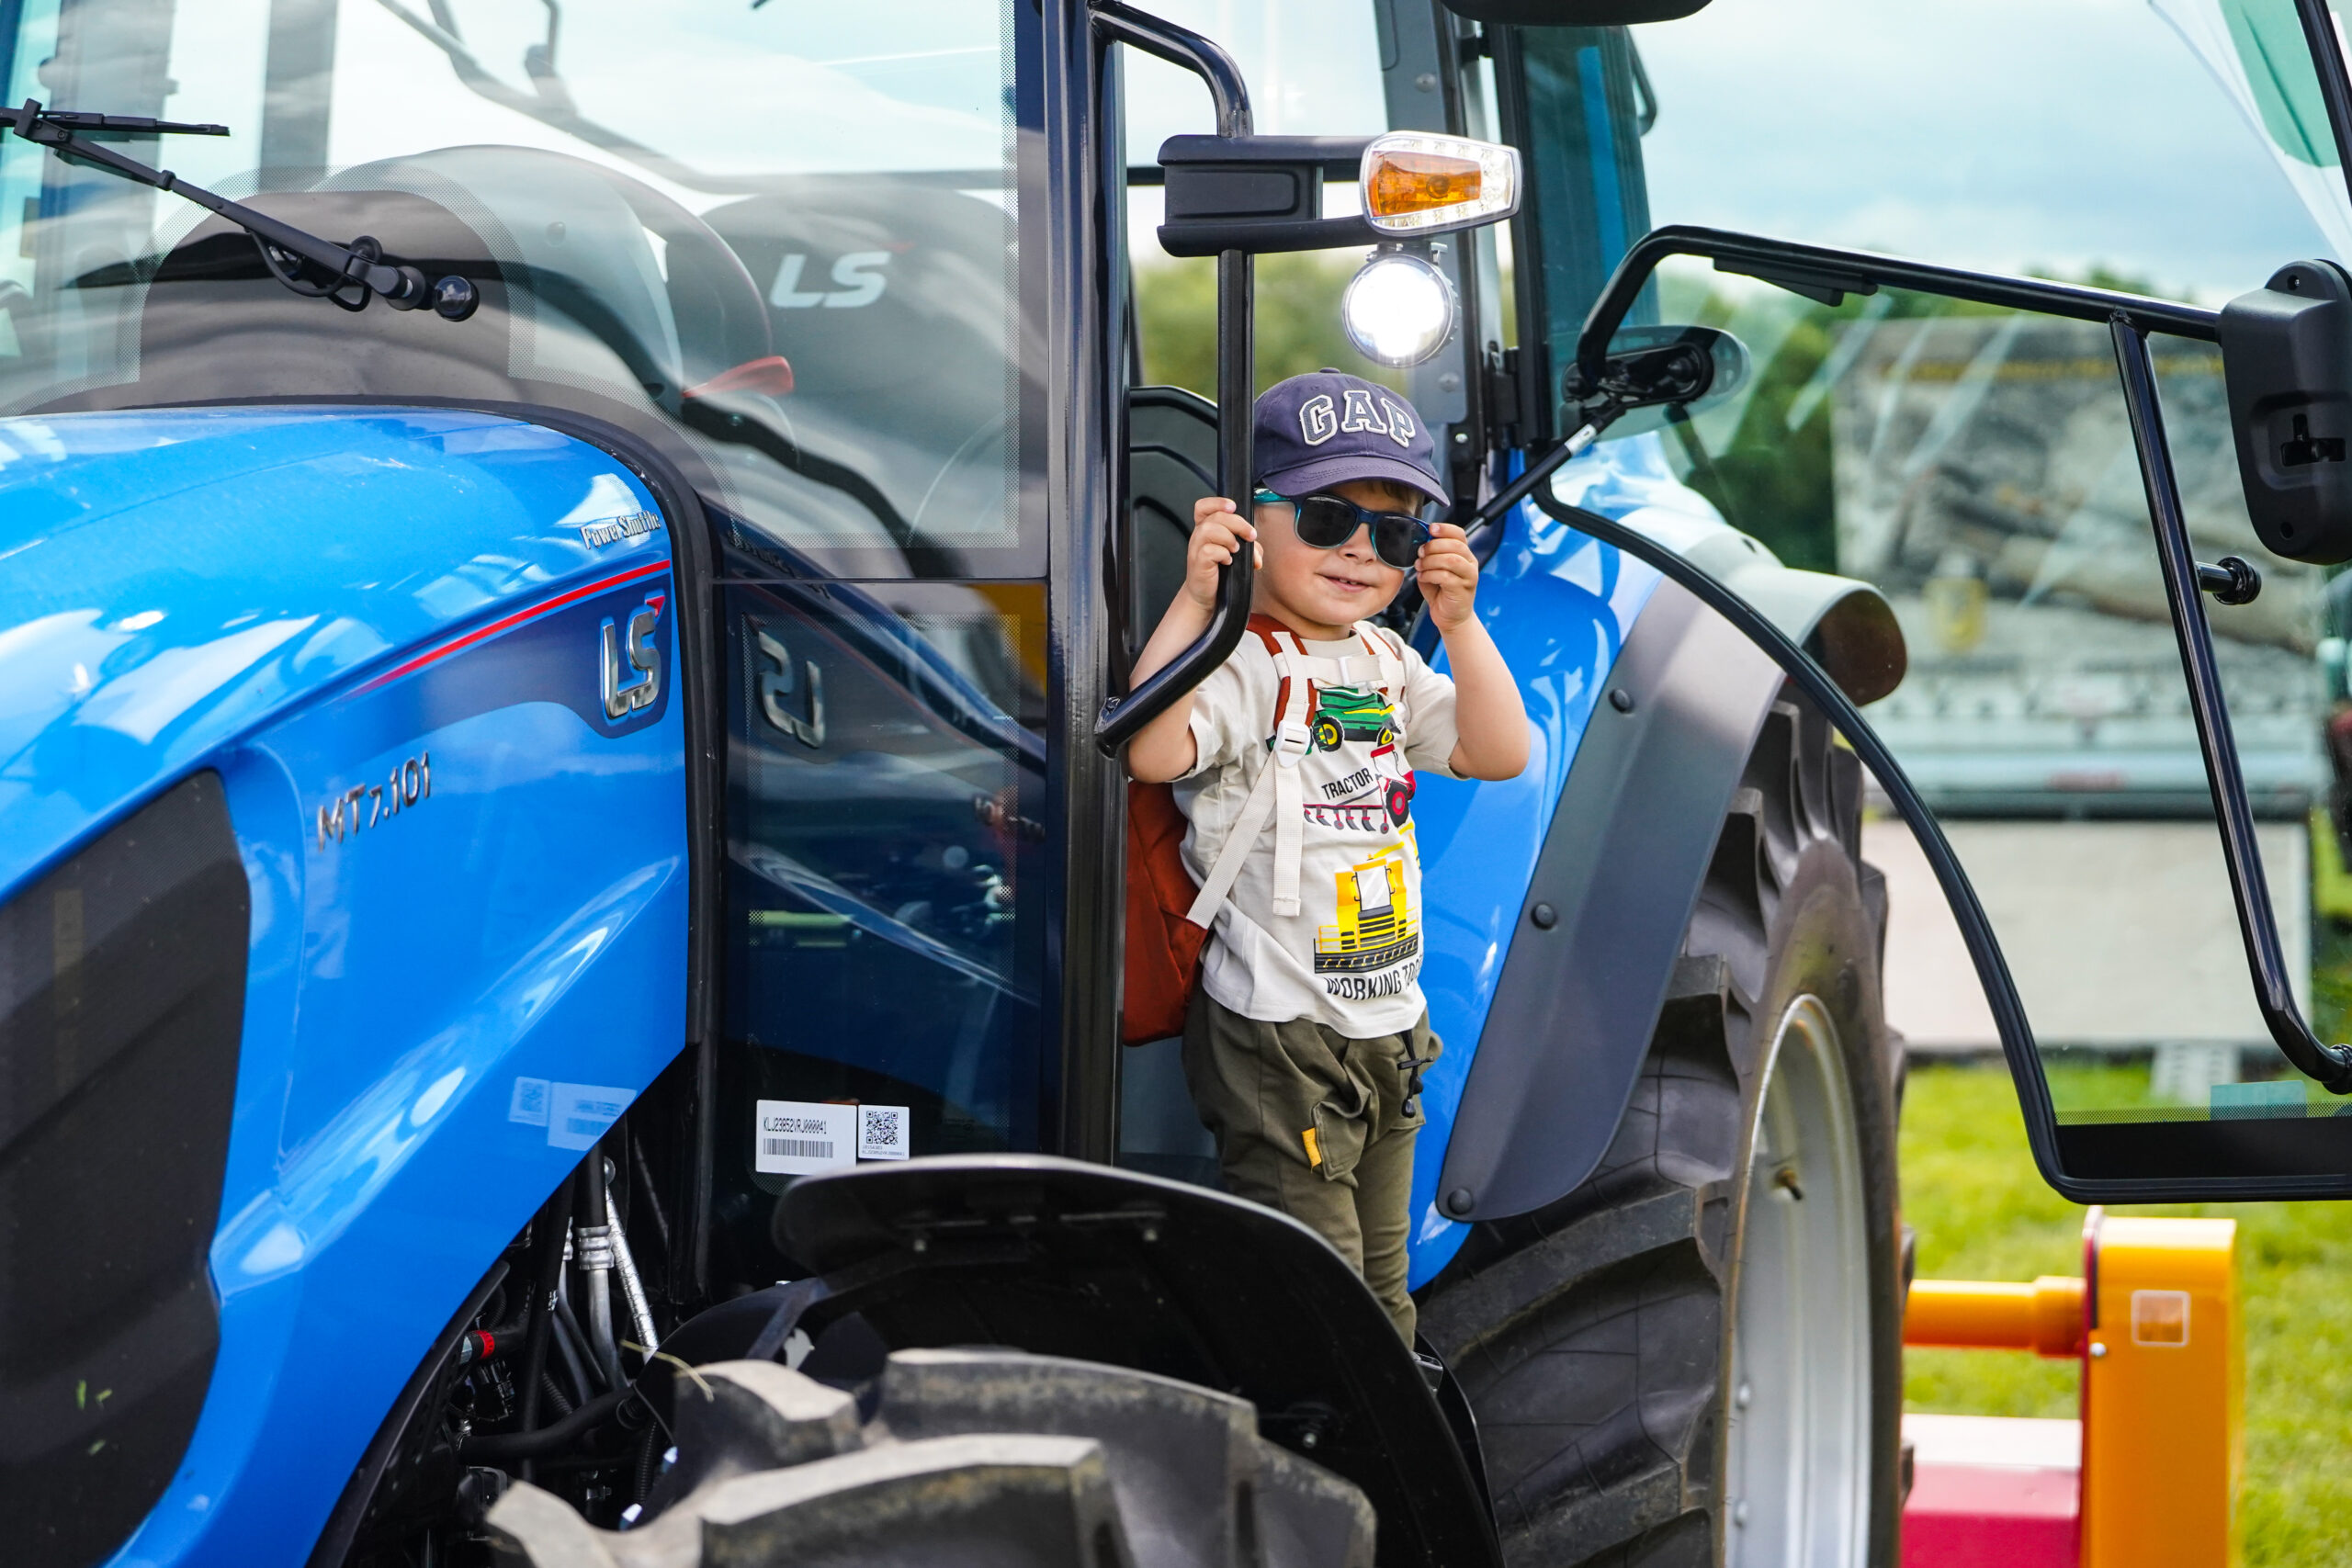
(1123, 716)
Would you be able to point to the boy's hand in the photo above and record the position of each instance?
(1449, 575)
(1217, 531)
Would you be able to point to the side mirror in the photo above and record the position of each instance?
(1653, 372)
(2287, 361)
(1264, 193)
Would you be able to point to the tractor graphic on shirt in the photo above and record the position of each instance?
(1342, 713)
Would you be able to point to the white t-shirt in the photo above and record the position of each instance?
(1351, 957)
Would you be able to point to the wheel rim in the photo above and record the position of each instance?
(1798, 1469)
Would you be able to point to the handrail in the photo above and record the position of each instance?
(2329, 1065)
(1122, 717)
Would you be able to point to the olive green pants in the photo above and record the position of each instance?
(1319, 1126)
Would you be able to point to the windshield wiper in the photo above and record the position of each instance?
(349, 275)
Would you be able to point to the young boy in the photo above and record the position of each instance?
(1306, 1039)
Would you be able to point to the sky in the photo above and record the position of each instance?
(2012, 135)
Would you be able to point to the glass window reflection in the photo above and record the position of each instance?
(885, 781)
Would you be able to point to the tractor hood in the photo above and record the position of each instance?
(171, 580)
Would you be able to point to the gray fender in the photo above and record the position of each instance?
(1622, 864)
(1845, 624)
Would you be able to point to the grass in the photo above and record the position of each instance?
(1981, 1212)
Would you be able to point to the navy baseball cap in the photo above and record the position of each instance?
(1326, 428)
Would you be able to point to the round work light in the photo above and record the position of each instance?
(1400, 309)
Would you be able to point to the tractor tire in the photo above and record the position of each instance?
(1695, 1357)
(990, 1459)
(1328, 735)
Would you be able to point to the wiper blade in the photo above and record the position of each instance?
(118, 127)
(349, 275)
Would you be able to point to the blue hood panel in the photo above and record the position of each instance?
(171, 580)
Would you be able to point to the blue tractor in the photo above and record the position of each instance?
(560, 817)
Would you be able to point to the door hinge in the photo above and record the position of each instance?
(1502, 397)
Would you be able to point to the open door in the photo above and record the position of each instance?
(2104, 524)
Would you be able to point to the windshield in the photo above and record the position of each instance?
(782, 240)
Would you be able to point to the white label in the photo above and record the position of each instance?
(882, 1132)
(578, 1113)
(799, 1137)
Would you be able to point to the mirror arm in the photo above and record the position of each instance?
(2329, 1065)
(1823, 691)
(1598, 416)
(1122, 717)
(1825, 272)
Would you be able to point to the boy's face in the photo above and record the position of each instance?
(1331, 589)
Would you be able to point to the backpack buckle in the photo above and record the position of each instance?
(1291, 741)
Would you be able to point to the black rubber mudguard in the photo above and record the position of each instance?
(1064, 1258)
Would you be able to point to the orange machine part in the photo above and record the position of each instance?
(2164, 1391)
(2045, 1317)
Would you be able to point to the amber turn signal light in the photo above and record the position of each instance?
(1416, 183)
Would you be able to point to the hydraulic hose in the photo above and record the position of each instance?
(573, 1345)
(640, 1310)
(594, 1239)
(547, 1272)
(652, 1203)
(527, 1446)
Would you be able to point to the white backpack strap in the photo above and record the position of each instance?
(1385, 658)
(1238, 840)
(1292, 741)
(1278, 792)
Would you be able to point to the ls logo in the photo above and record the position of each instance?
(776, 688)
(858, 273)
(632, 668)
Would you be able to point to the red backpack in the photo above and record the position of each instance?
(1163, 947)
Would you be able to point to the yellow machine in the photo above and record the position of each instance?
(2159, 1449)
(1376, 927)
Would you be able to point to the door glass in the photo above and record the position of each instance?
(783, 242)
(884, 946)
(1976, 465)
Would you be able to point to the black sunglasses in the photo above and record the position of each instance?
(1327, 522)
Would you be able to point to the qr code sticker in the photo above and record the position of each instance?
(529, 1104)
(882, 1132)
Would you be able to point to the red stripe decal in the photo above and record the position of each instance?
(517, 619)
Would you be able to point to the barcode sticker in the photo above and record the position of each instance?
(882, 1132)
(798, 1137)
(578, 1113)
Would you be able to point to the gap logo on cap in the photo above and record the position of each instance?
(1319, 419)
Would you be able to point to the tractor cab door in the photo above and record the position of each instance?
(2106, 757)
